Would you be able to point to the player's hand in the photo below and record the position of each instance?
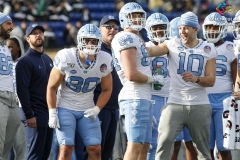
(32, 123)
(236, 95)
(189, 77)
(158, 79)
(92, 113)
(53, 118)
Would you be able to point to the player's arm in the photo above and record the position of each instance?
(159, 50)
(128, 57)
(106, 84)
(55, 79)
(210, 74)
(234, 70)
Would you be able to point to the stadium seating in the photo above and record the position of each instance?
(100, 8)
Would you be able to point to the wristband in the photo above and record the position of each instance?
(198, 79)
(52, 110)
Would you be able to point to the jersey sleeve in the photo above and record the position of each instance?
(123, 41)
(230, 50)
(60, 61)
(209, 51)
(106, 67)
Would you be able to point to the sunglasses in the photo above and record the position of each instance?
(110, 26)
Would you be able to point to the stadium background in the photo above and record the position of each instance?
(63, 18)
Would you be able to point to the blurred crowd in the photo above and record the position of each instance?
(47, 11)
(42, 10)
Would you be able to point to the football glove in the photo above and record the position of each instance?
(156, 79)
(53, 118)
(92, 113)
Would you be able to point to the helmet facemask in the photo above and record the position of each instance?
(214, 36)
(159, 33)
(136, 22)
(89, 48)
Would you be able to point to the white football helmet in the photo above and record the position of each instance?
(128, 21)
(217, 20)
(85, 33)
(154, 20)
(236, 28)
(173, 30)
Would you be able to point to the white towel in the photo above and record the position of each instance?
(230, 127)
(237, 134)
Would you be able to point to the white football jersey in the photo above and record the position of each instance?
(163, 62)
(183, 59)
(225, 56)
(6, 69)
(76, 91)
(132, 90)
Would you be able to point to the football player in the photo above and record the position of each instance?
(157, 27)
(133, 67)
(184, 134)
(74, 77)
(214, 31)
(236, 94)
(191, 68)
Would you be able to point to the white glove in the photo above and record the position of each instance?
(53, 118)
(156, 79)
(92, 113)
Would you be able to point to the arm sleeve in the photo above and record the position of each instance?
(60, 61)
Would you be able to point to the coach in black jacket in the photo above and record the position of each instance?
(32, 73)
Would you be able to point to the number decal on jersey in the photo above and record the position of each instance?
(125, 40)
(163, 62)
(145, 60)
(77, 84)
(189, 63)
(5, 67)
(221, 69)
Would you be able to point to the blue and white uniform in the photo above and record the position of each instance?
(186, 99)
(222, 89)
(159, 98)
(75, 95)
(134, 97)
